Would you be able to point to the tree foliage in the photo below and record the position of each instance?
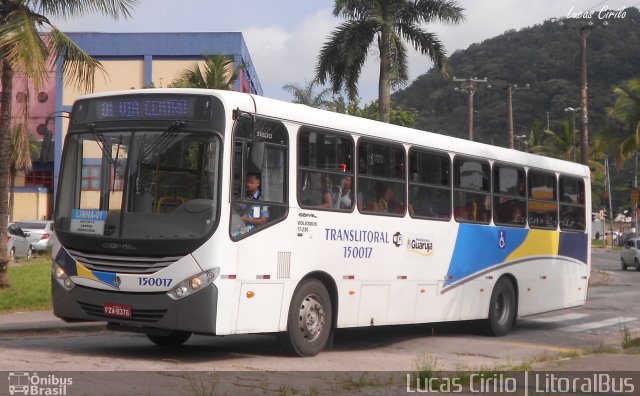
(28, 41)
(217, 72)
(386, 24)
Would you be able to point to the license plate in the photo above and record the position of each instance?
(117, 310)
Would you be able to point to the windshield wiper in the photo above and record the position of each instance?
(102, 143)
(163, 141)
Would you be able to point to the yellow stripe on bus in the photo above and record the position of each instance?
(537, 243)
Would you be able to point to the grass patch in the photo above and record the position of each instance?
(629, 343)
(30, 287)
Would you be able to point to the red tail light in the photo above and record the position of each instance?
(45, 236)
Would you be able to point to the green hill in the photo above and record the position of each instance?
(546, 56)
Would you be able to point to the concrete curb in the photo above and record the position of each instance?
(42, 322)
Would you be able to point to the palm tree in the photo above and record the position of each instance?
(217, 72)
(626, 111)
(562, 144)
(20, 147)
(388, 22)
(308, 96)
(28, 41)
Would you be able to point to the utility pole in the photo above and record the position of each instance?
(470, 85)
(573, 127)
(608, 192)
(584, 100)
(583, 28)
(511, 88)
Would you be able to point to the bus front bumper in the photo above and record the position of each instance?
(195, 313)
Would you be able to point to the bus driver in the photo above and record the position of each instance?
(255, 215)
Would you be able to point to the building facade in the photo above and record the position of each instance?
(130, 61)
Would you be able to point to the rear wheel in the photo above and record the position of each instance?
(175, 338)
(29, 252)
(502, 308)
(622, 264)
(309, 321)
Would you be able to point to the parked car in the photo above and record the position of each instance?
(625, 237)
(17, 243)
(39, 233)
(630, 255)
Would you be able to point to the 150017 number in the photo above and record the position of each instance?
(357, 252)
(166, 282)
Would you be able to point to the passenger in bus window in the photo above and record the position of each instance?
(255, 215)
(346, 197)
(327, 192)
(384, 202)
(516, 216)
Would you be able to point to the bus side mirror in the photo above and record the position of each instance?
(45, 149)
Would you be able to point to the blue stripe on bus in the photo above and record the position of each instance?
(480, 247)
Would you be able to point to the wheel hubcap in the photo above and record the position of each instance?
(502, 309)
(311, 318)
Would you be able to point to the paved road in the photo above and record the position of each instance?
(611, 306)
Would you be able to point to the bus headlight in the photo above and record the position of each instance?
(61, 277)
(193, 284)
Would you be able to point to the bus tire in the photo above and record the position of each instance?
(309, 320)
(502, 308)
(174, 338)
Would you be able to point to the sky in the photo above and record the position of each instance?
(284, 37)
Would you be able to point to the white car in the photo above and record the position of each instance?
(630, 255)
(17, 243)
(39, 233)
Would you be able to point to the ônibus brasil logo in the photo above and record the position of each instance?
(21, 383)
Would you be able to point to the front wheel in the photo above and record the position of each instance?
(309, 321)
(502, 308)
(30, 253)
(622, 264)
(174, 338)
(637, 265)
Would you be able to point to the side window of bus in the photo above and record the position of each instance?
(572, 209)
(259, 180)
(509, 196)
(543, 204)
(325, 170)
(471, 184)
(429, 185)
(381, 178)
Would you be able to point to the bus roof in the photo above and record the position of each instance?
(305, 115)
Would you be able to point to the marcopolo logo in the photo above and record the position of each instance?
(21, 383)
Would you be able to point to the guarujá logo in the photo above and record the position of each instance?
(422, 246)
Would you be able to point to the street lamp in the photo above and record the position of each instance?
(511, 88)
(470, 85)
(523, 139)
(573, 127)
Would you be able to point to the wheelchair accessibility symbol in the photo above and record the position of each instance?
(502, 240)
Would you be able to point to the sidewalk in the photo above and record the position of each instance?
(42, 321)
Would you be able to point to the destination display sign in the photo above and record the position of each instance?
(144, 107)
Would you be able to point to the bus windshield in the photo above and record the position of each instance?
(150, 184)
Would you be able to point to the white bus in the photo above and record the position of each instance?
(215, 212)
